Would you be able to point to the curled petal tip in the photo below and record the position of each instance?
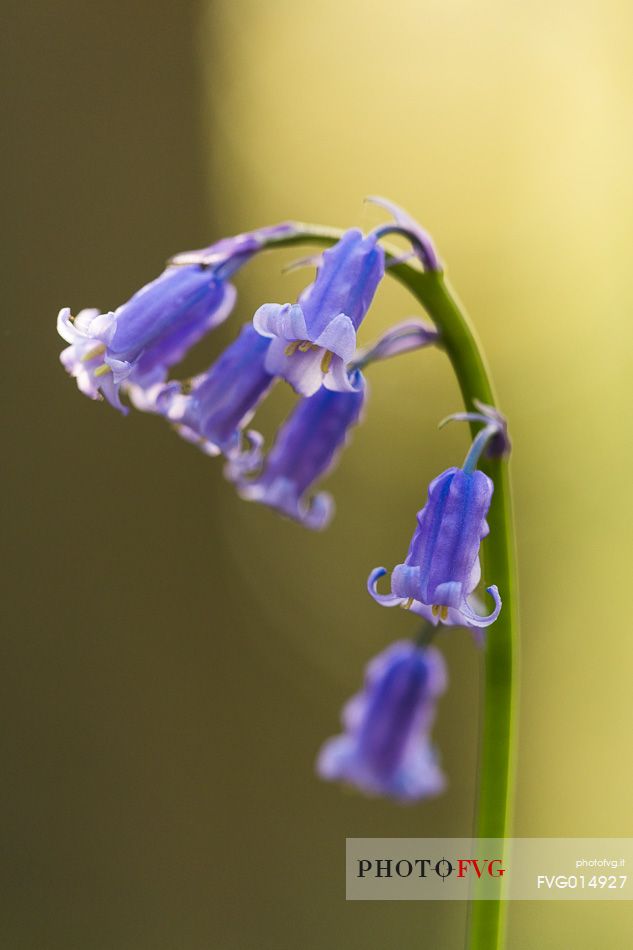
(385, 600)
(246, 459)
(476, 620)
(319, 512)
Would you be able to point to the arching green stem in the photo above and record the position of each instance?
(496, 757)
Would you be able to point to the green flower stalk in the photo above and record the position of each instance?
(458, 339)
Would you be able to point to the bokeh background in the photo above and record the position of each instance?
(173, 657)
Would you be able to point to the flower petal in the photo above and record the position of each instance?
(281, 320)
(246, 457)
(385, 600)
(339, 337)
(339, 379)
(473, 619)
(302, 370)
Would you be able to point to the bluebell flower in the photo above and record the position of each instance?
(154, 330)
(314, 339)
(442, 568)
(213, 409)
(306, 447)
(386, 749)
(143, 338)
(83, 359)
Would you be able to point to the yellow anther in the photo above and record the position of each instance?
(292, 348)
(443, 613)
(407, 604)
(102, 370)
(325, 362)
(305, 346)
(435, 609)
(95, 351)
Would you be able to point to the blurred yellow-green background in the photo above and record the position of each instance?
(173, 657)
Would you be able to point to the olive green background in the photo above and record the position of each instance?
(172, 657)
